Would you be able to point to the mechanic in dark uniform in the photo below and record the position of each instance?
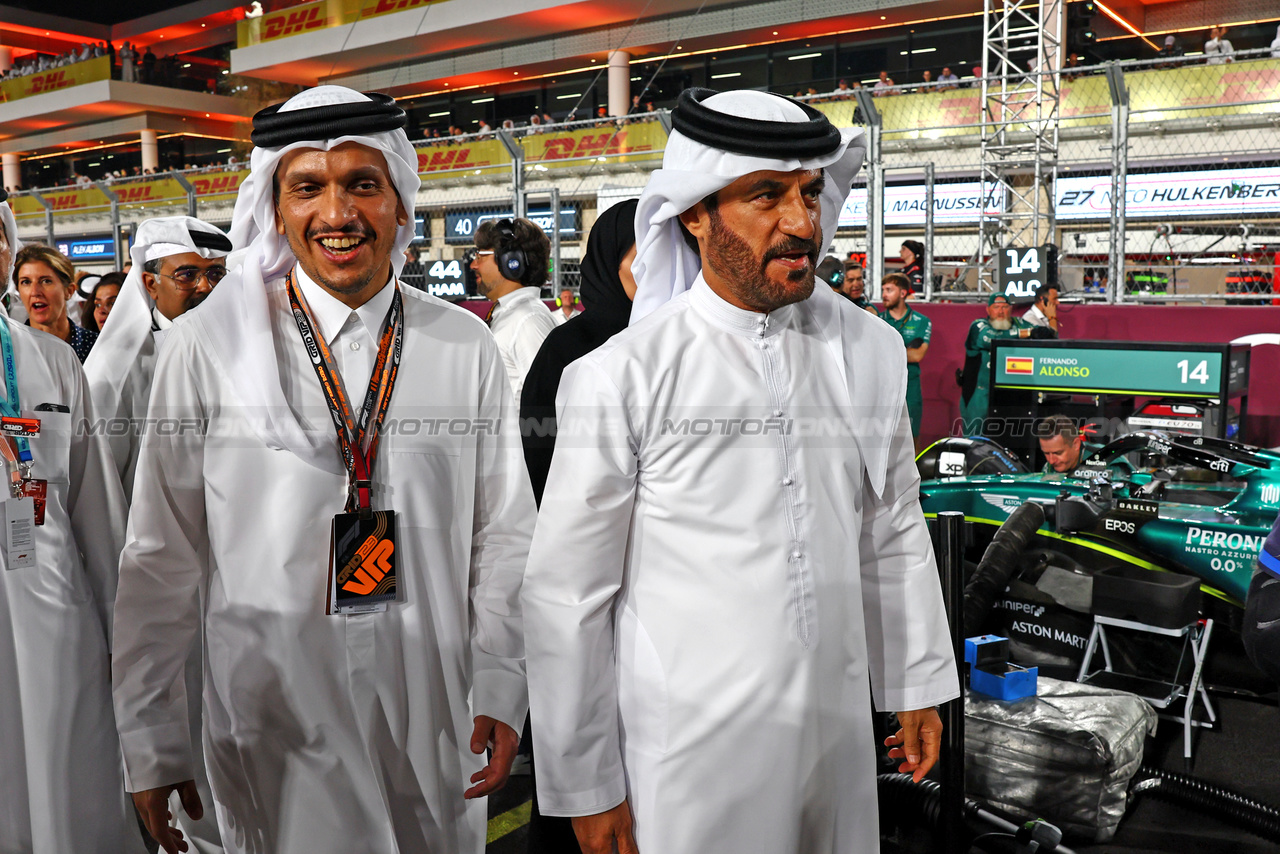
(1063, 445)
(1261, 630)
(915, 329)
(975, 379)
(854, 286)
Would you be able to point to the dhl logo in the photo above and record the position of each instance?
(446, 158)
(131, 195)
(374, 555)
(49, 82)
(590, 145)
(65, 202)
(211, 186)
(385, 6)
(293, 23)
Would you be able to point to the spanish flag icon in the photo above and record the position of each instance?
(1020, 365)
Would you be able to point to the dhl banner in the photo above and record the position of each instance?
(98, 68)
(485, 156)
(374, 8)
(308, 17)
(131, 193)
(1202, 90)
(292, 21)
(629, 143)
(633, 142)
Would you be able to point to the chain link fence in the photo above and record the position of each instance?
(1189, 145)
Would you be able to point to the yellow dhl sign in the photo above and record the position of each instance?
(132, 193)
(1191, 90)
(309, 17)
(98, 68)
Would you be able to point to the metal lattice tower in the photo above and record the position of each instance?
(1022, 52)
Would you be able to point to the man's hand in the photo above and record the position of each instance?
(153, 806)
(917, 743)
(598, 833)
(490, 732)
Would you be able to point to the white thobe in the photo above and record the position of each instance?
(328, 730)
(520, 323)
(60, 785)
(736, 591)
(124, 419)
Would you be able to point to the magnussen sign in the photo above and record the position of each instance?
(1231, 192)
(905, 204)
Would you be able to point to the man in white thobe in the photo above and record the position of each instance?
(60, 783)
(176, 262)
(750, 563)
(357, 731)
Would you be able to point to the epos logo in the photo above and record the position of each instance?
(294, 22)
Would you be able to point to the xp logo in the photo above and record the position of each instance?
(1270, 493)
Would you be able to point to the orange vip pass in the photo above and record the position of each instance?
(10, 426)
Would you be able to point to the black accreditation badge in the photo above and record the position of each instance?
(362, 562)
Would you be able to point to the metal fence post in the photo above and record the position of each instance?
(928, 231)
(1119, 170)
(48, 215)
(950, 542)
(875, 192)
(191, 193)
(516, 150)
(115, 221)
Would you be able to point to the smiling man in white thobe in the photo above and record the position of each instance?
(749, 560)
(360, 563)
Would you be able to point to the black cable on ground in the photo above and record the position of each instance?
(1260, 819)
(999, 563)
(905, 802)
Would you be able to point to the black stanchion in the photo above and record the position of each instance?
(950, 540)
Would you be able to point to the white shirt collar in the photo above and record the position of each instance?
(520, 295)
(159, 322)
(740, 321)
(331, 314)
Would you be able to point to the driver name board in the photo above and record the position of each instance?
(1151, 370)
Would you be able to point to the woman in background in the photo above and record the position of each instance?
(102, 299)
(44, 278)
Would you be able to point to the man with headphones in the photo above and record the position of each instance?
(510, 264)
(566, 306)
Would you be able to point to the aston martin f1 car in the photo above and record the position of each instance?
(1189, 504)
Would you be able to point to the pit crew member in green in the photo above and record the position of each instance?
(1063, 445)
(1066, 450)
(915, 330)
(975, 381)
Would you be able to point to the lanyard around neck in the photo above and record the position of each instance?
(354, 433)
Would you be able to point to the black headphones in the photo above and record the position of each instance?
(507, 255)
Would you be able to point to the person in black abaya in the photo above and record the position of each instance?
(606, 293)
